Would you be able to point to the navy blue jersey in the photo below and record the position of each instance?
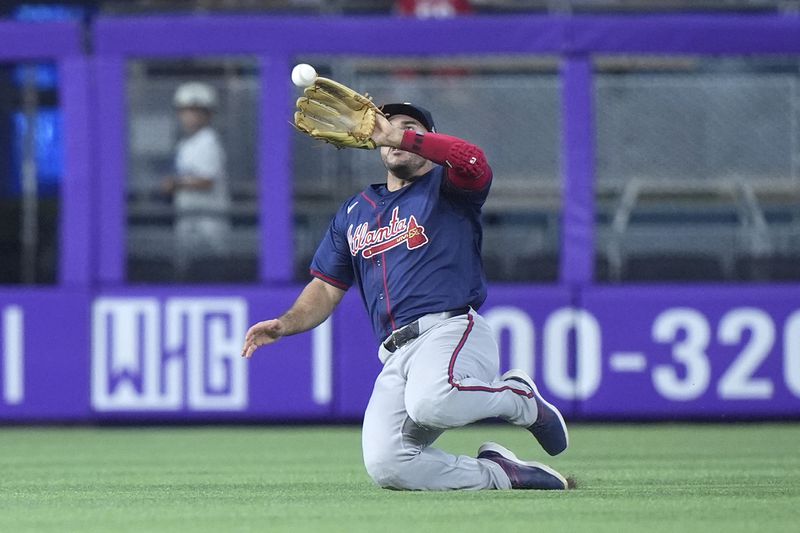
(413, 251)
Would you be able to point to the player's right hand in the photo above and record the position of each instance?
(385, 133)
(260, 334)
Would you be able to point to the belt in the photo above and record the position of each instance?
(411, 331)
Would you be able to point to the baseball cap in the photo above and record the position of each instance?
(420, 114)
(195, 94)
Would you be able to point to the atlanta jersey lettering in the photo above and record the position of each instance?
(413, 251)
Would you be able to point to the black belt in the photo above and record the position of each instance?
(411, 331)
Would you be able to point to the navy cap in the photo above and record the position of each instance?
(420, 114)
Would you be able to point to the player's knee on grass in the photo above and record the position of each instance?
(383, 475)
(388, 471)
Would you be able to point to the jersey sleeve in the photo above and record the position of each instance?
(475, 197)
(332, 262)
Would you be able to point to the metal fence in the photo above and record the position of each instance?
(699, 174)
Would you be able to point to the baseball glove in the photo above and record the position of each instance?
(336, 114)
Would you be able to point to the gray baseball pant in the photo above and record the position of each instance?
(445, 378)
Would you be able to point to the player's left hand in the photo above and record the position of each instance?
(261, 334)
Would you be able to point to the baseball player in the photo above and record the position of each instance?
(412, 245)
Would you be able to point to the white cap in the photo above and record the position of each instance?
(195, 94)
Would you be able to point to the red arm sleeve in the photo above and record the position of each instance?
(466, 164)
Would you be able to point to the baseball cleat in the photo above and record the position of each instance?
(549, 429)
(523, 475)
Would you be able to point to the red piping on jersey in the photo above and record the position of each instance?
(456, 385)
(367, 198)
(329, 280)
(386, 285)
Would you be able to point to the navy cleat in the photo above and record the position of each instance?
(549, 429)
(523, 475)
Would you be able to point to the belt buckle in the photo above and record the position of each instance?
(400, 337)
(391, 343)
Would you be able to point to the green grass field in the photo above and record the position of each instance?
(737, 477)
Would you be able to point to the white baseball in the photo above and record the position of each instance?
(303, 75)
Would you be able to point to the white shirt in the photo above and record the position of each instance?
(202, 224)
(202, 155)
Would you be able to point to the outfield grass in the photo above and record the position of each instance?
(737, 477)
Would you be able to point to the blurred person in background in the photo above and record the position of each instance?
(433, 8)
(199, 187)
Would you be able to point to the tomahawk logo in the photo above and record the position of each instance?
(399, 231)
(182, 353)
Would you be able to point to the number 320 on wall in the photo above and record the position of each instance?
(681, 348)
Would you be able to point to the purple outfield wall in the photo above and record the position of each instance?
(173, 354)
(93, 349)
